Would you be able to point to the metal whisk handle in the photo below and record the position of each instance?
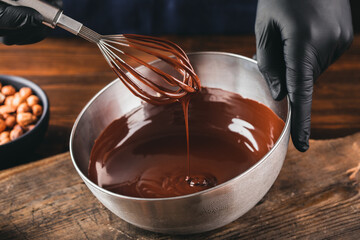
(54, 17)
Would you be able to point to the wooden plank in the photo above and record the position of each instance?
(314, 197)
(75, 68)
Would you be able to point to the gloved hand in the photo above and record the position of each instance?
(22, 25)
(296, 41)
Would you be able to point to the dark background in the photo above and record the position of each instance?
(171, 17)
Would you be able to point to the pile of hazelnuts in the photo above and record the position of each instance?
(19, 112)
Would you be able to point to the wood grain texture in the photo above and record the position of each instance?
(71, 71)
(314, 197)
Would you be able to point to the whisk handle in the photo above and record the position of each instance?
(50, 13)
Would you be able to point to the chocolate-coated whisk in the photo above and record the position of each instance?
(160, 87)
(152, 85)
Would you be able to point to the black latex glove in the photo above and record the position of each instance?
(22, 25)
(296, 41)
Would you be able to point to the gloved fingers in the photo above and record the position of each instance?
(300, 89)
(270, 57)
(347, 32)
(21, 25)
(25, 36)
(17, 17)
(300, 126)
(343, 43)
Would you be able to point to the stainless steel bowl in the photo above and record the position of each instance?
(201, 211)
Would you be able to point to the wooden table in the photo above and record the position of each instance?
(301, 203)
(71, 71)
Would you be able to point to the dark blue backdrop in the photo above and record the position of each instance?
(164, 16)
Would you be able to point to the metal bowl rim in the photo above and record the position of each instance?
(263, 159)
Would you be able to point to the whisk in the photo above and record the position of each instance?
(150, 84)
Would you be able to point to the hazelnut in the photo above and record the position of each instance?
(8, 90)
(5, 140)
(5, 134)
(25, 92)
(24, 119)
(30, 127)
(32, 100)
(9, 100)
(17, 100)
(37, 110)
(23, 107)
(2, 125)
(17, 126)
(10, 121)
(6, 109)
(16, 133)
(2, 98)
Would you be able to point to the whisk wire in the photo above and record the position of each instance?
(114, 60)
(176, 63)
(167, 88)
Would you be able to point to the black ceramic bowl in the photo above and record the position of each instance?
(17, 151)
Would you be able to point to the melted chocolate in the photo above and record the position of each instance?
(143, 154)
